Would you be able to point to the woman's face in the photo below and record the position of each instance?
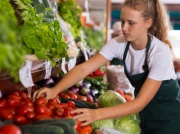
(133, 24)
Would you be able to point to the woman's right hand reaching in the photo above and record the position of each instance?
(48, 93)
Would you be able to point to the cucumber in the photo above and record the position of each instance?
(80, 103)
(67, 128)
(70, 122)
(41, 129)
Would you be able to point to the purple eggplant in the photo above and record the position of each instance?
(94, 92)
(74, 89)
(84, 90)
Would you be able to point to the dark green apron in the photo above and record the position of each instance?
(162, 114)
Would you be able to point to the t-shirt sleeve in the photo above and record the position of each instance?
(112, 49)
(161, 66)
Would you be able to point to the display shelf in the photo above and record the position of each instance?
(7, 83)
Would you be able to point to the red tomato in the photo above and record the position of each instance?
(41, 117)
(42, 110)
(54, 101)
(66, 96)
(68, 111)
(12, 110)
(30, 115)
(14, 96)
(59, 111)
(73, 96)
(10, 129)
(3, 103)
(19, 120)
(82, 131)
(61, 94)
(16, 92)
(40, 101)
(5, 114)
(64, 105)
(51, 106)
(13, 102)
(30, 108)
(78, 125)
(22, 94)
(81, 97)
(89, 98)
(87, 128)
(71, 104)
(22, 110)
(28, 103)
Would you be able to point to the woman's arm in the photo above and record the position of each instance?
(147, 92)
(73, 76)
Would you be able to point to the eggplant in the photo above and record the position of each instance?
(87, 84)
(46, 83)
(74, 89)
(94, 92)
(84, 91)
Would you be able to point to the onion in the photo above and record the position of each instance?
(74, 89)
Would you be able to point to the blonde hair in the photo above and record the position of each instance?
(157, 11)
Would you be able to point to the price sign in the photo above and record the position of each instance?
(25, 75)
(63, 65)
(48, 68)
(71, 63)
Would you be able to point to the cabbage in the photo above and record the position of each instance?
(127, 125)
(109, 123)
(110, 98)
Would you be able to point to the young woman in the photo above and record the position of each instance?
(144, 49)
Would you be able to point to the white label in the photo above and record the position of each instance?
(85, 55)
(48, 69)
(71, 63)
(29, 89)
(25, 75)
(63, 65)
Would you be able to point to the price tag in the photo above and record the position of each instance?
(63, 65)
(71, 63)
(48, 69)
(85, 55)
(0, 94)
(25, 75)
(29, 89)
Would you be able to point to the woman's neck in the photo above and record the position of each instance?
(140, 43)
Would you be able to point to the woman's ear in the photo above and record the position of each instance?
(149, 23)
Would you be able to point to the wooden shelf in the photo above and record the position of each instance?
(7, 83)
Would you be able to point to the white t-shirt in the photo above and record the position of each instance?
(160, 60)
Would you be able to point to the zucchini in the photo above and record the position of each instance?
(67, 128)
(41, 129)
(70, 122)
(80, 103)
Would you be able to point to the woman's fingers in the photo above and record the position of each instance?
(41, 92)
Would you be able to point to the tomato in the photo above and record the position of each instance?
(30, 115)
(19, 120)
(87, 128)
(82, 131)
(22, 110)
(78, 125)
(73, 96)
(68, 111)
(69, 92)
(61, 94)
(59, 111)
(42, 110)
(51, 106)
(89, 98)
(64, 105)
(28, 103)
(14, 96)
(30, 108)
(71, 104)
(81, 97)
(11, 109)
(54, 101)
(16, 92)
(66, 96)
(40, 101)
(22, 94)
(98, 73)
(10, 129)
(5, 114)
(3, 103)
(13, 102)
(41, 117)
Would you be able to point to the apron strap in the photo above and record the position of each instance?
(145, 66)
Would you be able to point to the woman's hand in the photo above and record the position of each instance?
(48, 93)
(86, 116)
